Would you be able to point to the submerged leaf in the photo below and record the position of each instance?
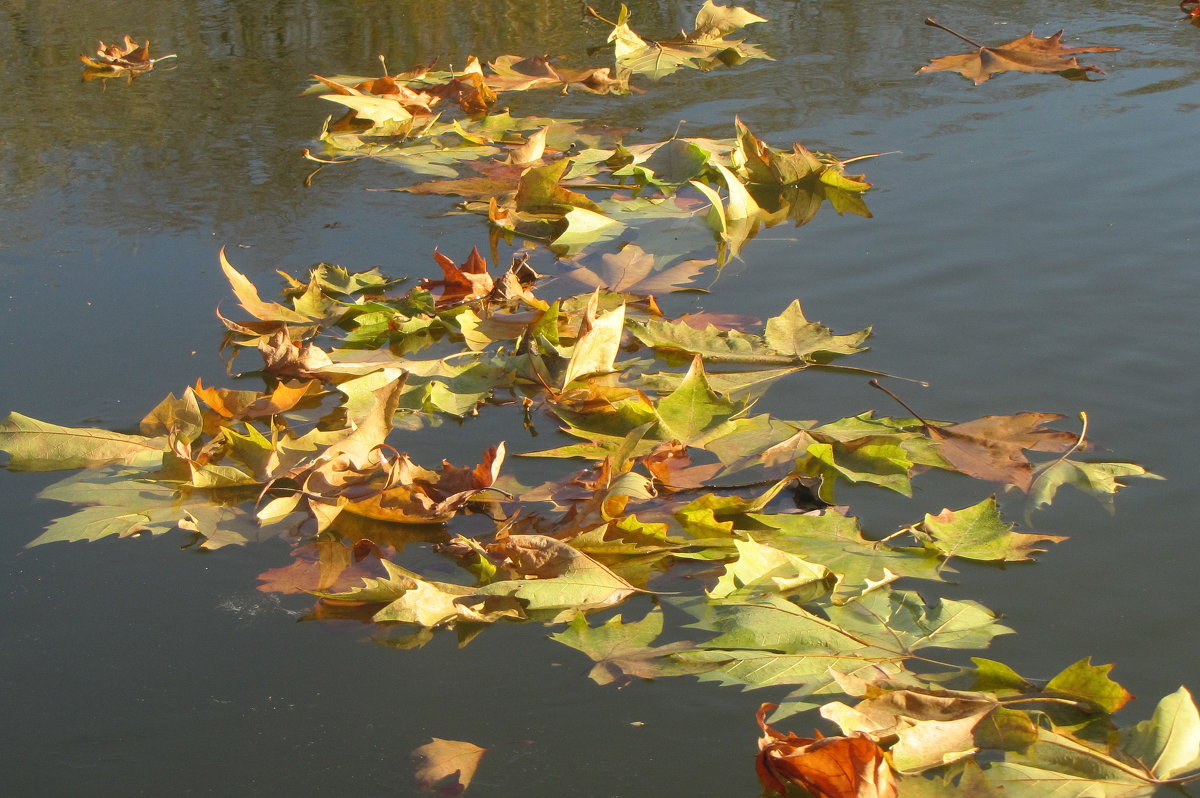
(446, 767)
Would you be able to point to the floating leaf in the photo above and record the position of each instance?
(622, 651)
(978, 533)
(446, 767)
(1026, 54)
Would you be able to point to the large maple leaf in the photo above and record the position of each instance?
(1026, 54)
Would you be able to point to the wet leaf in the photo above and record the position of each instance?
(1026, 54)
(119, 58)
(827, 767)
(34, 445)
(446, 767)
(622, 651)
(978, 533)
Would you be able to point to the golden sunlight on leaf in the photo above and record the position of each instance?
(446, 767)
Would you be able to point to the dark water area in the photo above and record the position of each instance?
(1033, 247)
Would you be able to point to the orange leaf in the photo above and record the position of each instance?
(828, 767)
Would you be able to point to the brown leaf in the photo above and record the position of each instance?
(469, 281)
(446, 767)
(828, 767)
(127, 57)
(252, 404)
(992, 447)
(325, 565)
(1026, 54)
(284, 357)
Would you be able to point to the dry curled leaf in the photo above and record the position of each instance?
(828, 767)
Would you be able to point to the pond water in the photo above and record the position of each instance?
(1032, 248)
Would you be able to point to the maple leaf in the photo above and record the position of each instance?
(1193, 12)
(827, 767)
(446, 767)
(1026, 54)
(127, 57)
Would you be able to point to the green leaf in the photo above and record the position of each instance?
(878, 460)
(622, 651)
(123, 503)
(39, 446)
(1090, 683)
(1168, 743)
(836, 542)
(772, 641)
(597, 348)
(790, 333)
(978, 533)
(1101, 480)
(693, 411)
(766, 569)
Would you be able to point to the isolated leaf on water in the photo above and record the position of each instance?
(828, 767)
(622, 651)
(978, 533)
(128, 57)
(1026, 54)
(446, 767)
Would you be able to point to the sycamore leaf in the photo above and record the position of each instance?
(876, 459)
(1026, 54)
(124, 503)
(597, 346)
(978, 533)
(632, 270)
(771, 641)
(1101, 480)
(622, 651)
(790, 333)
(35, 445)
(992, 447)
(446, 767)
(765, 569)
(693, 412)
(559, 577)
(830, 767)
(1169, 743)
(250, 301)
(1090, 683)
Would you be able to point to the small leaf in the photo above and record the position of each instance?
(446, 767)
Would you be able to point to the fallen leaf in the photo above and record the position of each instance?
(127, 57)
(828, 767)
(1026, 54)
(446, 767)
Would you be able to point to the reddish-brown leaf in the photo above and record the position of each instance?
(992, 447)
(828, 767)
(1026, 54)
(469, 281)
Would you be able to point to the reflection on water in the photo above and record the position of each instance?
(1031, 249)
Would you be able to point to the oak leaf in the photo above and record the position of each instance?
(1026, 54)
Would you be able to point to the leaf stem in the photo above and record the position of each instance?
(933, 23)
